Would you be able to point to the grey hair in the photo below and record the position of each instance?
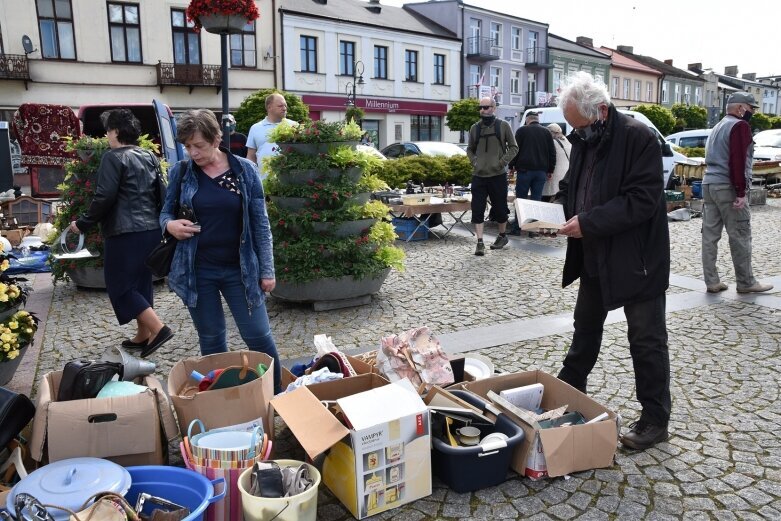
(585, 93)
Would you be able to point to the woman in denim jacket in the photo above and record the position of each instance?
(225, 244)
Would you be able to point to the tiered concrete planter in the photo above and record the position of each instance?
(316, 148)
(88, 277)
(302, 177)
(8, 367)
(337, 291)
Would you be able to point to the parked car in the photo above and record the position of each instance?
(550, 115)
(767, 145)
(371, 150)
(690, 138)
(418, 148)
(156, 120)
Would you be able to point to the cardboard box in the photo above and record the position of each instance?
(15, 236)
(222, 407)
(128, 430)
(560, 450)
(384, 459)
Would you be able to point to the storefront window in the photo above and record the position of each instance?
(425, 128)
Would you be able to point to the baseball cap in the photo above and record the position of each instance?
(231, 119)
(743, 97)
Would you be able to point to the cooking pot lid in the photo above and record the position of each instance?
(70, 482)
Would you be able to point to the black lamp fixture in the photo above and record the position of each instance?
(357, 80)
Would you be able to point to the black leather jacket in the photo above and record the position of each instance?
(128, 196)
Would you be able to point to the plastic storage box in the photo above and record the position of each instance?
(466, 469)
(406, 226)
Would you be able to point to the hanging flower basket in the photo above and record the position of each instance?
(223, 23)
(222, 16)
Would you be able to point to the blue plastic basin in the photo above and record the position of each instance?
(181, 486)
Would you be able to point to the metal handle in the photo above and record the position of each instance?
(64, 242)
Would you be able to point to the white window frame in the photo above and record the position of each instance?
(517, 39)
(496, 34)
(627, 88)
(649, 91)
(677, 93)
(638, 89)
(614, 87)
(665, 92)
(516, 77)
(687, 94)
(496, 77)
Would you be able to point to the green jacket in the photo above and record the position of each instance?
(490, 156)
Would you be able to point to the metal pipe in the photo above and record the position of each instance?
(226, 138)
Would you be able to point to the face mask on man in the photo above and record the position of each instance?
(747, 115)
(592, 133)
(488, 120)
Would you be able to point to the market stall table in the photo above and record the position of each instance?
(456, 210)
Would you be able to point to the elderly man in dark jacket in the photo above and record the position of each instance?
(618, 245)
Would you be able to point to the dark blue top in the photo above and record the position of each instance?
(217, 207)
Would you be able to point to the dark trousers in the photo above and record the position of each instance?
(647, 333)
(128, 281)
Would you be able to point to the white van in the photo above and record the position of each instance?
(550, 115)
(690, 138)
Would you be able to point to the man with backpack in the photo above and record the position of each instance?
(491, 147)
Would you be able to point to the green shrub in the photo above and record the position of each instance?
(660, 116)
(691, 151)
(426, 170)
(253, 109)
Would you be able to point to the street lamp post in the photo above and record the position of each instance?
(357, 80)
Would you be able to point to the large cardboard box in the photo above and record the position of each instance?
(129, 430)
(222, 407)
(561, 450)
(383, 460)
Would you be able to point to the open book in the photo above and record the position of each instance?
(536, 215)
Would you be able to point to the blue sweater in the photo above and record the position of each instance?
(256, 256)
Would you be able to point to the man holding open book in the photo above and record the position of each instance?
(618, 246)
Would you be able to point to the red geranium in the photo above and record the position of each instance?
(244, 8)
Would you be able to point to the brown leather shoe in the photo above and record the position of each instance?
(644, 435)
(717, 288)
(757, 287)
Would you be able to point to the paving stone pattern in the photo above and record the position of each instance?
(722, 461)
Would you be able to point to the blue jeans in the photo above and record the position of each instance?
(530, 179)
(209, 318)
(647, 334)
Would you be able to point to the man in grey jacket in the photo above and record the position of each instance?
(491, 147)
(729, 155)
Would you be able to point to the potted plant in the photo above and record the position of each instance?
(222, 16)
(77, 189)
(16, 333)
(315, 137)
(330, 247)
(13, 293)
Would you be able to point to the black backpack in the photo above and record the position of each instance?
(497, 133)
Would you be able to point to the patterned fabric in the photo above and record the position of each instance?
(40, 129)
(229, 181)
(416, 355)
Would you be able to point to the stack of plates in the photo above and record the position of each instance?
(478, 366)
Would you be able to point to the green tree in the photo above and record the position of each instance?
(775, 122)
(760, 122)
(660, 116)
(463, 114)
(253, 109)
(692, 116)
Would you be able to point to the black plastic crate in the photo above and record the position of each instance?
(466, 469)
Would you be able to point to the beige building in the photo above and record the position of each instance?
(102, 51)
(631, 82)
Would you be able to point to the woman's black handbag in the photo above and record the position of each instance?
(160, 258)
(16, 411)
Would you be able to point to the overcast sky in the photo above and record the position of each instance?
(717, 34)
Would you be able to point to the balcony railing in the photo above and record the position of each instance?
(14, 67)
(473, 91)
(483, 49)
(538, 57)
(187, 75)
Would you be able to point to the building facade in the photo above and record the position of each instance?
(397, 66)
(569, 57)
(676, 85)
(631, 83)
(110, 52)
(503, 57)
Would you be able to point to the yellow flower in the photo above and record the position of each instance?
(6, 347)
(13, 324)
(5, 264)
(29, 331)
(22, 313)
(6, 337)
(13, 354)
(3, 297)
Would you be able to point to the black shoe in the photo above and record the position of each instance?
(480, 250)
(129, 344)
(500, 242)
(163, 336)
(514, 232)
(644, 435)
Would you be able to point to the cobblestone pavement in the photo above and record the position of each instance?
(723, 459)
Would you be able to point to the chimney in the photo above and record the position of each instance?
(731, 70)
(374, 6)
(626, 48)
(750, 76)
(584, 40)
(668, 62)
(696, 67)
